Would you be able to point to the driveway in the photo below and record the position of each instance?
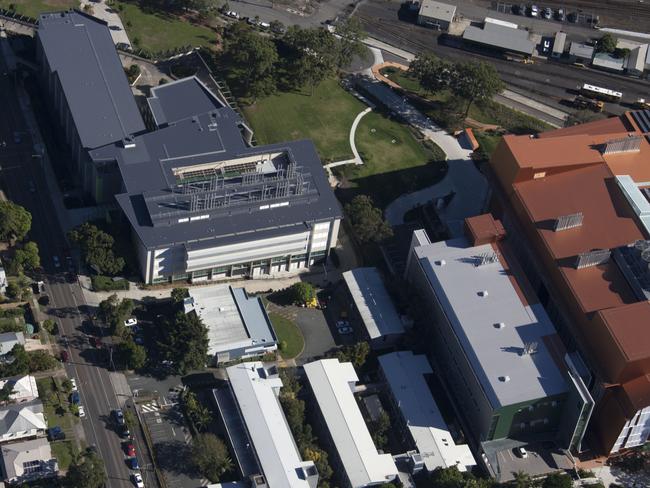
(315, 330)
(468, 186)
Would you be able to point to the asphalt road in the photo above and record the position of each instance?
(23, 182)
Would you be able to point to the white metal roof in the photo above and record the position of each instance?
(332, 384)
(23, 387)
(373, 302)
(256, 393)
(233, 320)
(437, 10)
(492, 323)
(405, 375)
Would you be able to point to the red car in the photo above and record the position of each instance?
(96, 342)
(64, 356)
(130, 450)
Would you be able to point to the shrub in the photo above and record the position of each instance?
(105, 283)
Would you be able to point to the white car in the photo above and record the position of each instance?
(82, 411)
(534, 11)
(233, 14)
(137, 480)
(130, 322)
(74, 384)
(521, 452)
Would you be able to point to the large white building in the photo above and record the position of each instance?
(238, 326)
(255, 391)
(332, 383)
(405, 373)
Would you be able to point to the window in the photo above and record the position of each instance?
(221, 269)
(200, 273)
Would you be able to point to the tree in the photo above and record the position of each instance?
(310, 56)
(40, 361)
(433, 73)
(250, 60)
(97, 249)
(13, 290)
(557, 480)
(6, 391)
(582, 117)
(380, 429)
(113, 312)
(355, 354)
(132, 355)
(179, 294)
(66, 385)
(86, 472)
(522, 480)
(198, 415)
(19, 365)
(476, 81)
(130, 420)
(276, 26)
(210, 456)
(320, 459)
(50, 326)
(367, 221)
(351, 35)
(606, 44)
(15, 221)
(302, 292)
(27, 258)
(184, 341)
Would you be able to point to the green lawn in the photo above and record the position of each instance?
(56, 405)
(487, 142)
(395, 162)
(401, 77)
(324, 117)
(64, 452)
(288, 333)
(159, 31)
(34, 7)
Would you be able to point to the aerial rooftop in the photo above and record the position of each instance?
(405, 373)
(493, 322)
(373, 302)
(332, 383)
(233, 319)
(80, 50)
(256, 390)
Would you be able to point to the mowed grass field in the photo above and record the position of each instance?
(32, 8)
(394, 160)
(160, 31)
(324, 117)
(291, 341)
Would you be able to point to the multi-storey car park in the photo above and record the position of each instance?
(577, 199)
(201, 201)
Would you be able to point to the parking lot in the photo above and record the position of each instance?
(540, 458)
(558, 14)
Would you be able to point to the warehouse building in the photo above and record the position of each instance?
(355, 455)
(259, 434)
(437, 15)
(502, 37)
(202, 203)
(373, 307)
(421, 420)
(238, 326)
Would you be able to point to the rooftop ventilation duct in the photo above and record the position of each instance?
(128, 142)
(631, 143)
(504, 379)
(568, 221)
(592, 258)
(483, 293)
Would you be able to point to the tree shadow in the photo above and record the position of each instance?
(175, 457)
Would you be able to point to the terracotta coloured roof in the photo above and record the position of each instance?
(628, 326)
(484, 228)
(552, 152)
(613, 125)
(608, 220)
(598, 287)
(635, 164)
(637, 392)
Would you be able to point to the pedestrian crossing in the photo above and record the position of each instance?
(150, 407)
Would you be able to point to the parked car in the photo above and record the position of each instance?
(44, 300)
(74, 384)
(130, 322)
(81, 411)
(65, 356)
(136, 478)
(75, 398)
(123, 431)
(546, 46)
(342, 323)
(130, 450)
(533, 11)
(521, 452)
(57, 263)
(547, 13)
(133, 463)
(96, 342)
(560, 15)
(118, 415)
(232, 14)
(265, 25)
(139, 340)
(345, 330)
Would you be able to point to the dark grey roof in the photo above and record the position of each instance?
(181, 99)
(501, 37)
(254, 316)
(154, 201)
(80, 50)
